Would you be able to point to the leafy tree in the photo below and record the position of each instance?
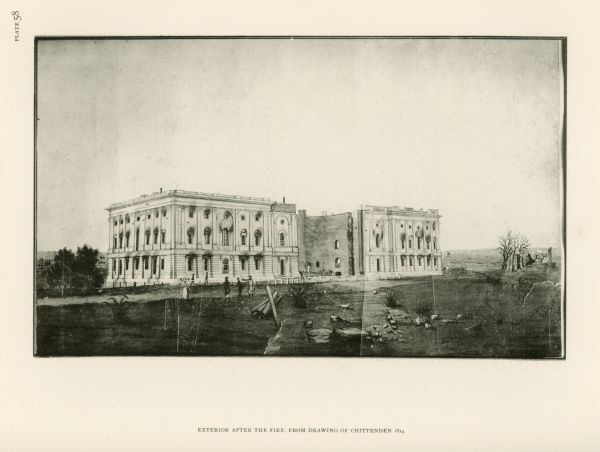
(86, 263)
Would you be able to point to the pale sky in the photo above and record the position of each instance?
(470, 127)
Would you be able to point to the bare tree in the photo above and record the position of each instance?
(505, 242)
(521, 250)
(513, 247)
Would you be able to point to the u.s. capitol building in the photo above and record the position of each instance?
(175, 234)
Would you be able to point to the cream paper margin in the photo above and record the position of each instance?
(130, 404)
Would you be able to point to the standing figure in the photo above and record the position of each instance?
(227, 287)
(186, 292)
(206, 279)
(251, 287)
(239, 288)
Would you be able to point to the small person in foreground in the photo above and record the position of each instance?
(251, 287)
(227, 287)
(239, 288)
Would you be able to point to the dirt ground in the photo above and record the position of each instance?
(474, 315)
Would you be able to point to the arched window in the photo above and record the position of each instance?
(403, 260)
(224, 237)
(190, 234)
(243, 236)
(225, 265)
(127, 219)
(148, 237)
(163, 237)
(257, 237)
(190, 263)
(121, 240)
(127, 238)
(191, 211)
(258, 216)
(338, 262)
(336, 244)
(207, 236)
(206, 213)
(155, 236)
(115, 241)
(282, 238)
(434, 244)
(257, 262)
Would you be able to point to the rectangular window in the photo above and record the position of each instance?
(190, 264)
(163, 237)
(147, 239)
(162, 264)
(243, 262)
(137, 263)
(126, 263)
(145, 263)
(257, 264)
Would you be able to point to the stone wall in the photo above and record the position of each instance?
(326, 244)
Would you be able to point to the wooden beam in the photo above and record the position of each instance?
(272, 302)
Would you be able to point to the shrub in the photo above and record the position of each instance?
(424, 309)
(391, 300)
(298, 294)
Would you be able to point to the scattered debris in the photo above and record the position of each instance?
(319, 335)
(476, 327)
(263, 309)
(334, 318)
(350, 332)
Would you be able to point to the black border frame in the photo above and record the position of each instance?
(562, 166)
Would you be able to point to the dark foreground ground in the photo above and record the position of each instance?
(475, 315)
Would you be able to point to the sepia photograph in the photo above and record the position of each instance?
(300, 196)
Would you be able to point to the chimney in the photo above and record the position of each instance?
(284, 199)
(161, 189)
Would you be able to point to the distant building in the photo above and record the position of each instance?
(175, 234)
(370, 241)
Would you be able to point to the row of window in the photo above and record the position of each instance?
(379, 239)
(191, 212)
(410, 261)
(146, 260)
(224, 263)
(418, 226)
(225, 236)
(119, 268)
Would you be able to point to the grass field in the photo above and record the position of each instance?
(475, 314)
